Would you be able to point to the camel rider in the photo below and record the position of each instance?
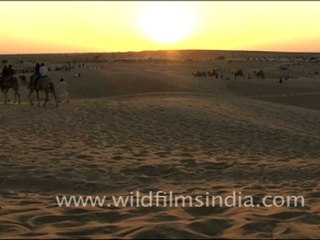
(43, 72)
(7, 73)
(36, 74)
(4, 71)
(37, 69)
(10, 71)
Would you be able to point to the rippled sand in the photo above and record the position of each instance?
(207, 135)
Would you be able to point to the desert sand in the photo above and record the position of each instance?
(141, 126)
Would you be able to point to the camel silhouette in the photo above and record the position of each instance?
(7, 83)
(44, 84)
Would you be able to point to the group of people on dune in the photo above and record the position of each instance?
(40, 70)
(40, 75)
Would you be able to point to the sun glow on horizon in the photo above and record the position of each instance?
(110, 26)
(167, 22)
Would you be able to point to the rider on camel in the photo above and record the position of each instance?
(10, 71)
(41, 72)
(7, 73)
(4, 71)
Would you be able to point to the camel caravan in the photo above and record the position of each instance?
(213, 73)
(260, 74)
(236, 74)
(38, 82)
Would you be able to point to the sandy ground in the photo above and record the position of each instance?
(155, 127)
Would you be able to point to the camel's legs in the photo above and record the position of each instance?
(2, 90)
(47, 98)
(5, 96)
(30, 94)
(55, 97)
(18, 95)
(38, 98)
(15, 96)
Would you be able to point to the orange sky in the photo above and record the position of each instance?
(51, 27)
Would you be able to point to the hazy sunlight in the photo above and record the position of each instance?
(167, 22)
(84, 26)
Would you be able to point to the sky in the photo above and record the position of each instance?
(62, 26)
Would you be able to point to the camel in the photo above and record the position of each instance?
(259, 74)
(284, 67)
(199, 74)
(213, 73)
(238, 73)
(10, 82)
(44, 84)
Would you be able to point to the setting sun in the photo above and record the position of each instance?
(167, 22)
(107, 26)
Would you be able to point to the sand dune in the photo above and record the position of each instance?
(156, 127)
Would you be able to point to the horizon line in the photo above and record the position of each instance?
(162, 50)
